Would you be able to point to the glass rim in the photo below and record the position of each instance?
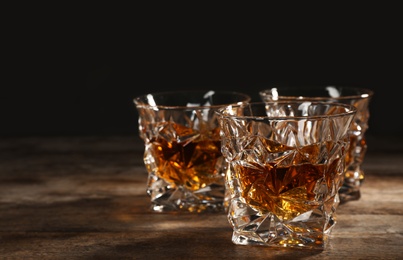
(362, 93)
(349, 110)
(139, 100)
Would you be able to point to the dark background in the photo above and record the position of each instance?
(93, 96)
(80, 79)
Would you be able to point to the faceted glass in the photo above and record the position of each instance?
(183, 148)
(360, 98)
(286, 165)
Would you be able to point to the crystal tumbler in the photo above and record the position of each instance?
(360, 98)
(286, 165)
(182, 148)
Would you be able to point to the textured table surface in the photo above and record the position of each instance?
(84, 198)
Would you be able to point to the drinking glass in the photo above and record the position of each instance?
(183, 149)
(286, 165)
(360, 98)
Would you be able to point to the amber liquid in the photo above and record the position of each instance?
(350, 155)
(352, 158)
(290, 190)
(190, 163)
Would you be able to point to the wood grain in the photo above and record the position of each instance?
(84, 198)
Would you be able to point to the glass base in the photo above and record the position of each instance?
(347, 194)
(350, 190)
(309, 230)
(165, 198)
(318, 242)
(187, 207)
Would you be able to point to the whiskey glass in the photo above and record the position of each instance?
(182, 152)
(360, 98)
(286, 166)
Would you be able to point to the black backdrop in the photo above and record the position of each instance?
(94, 97)
(84, 91)
(75, 72)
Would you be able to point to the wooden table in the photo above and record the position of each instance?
(84, 198)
